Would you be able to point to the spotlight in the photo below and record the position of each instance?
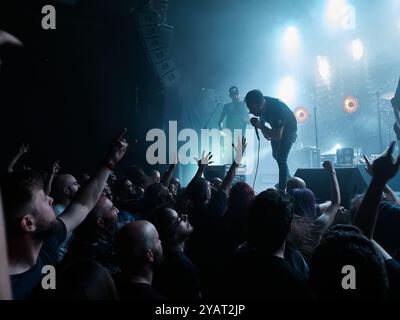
(287, 90)
(357, 49)
(350, 104)
(337, 147)
(291, 39)
(339, 13)
(301, 114)
(324, 68)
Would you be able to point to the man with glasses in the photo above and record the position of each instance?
(177, 277)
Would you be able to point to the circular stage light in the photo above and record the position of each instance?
(350, 104)
(301, 114)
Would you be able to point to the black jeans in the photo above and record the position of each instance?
(280, 152)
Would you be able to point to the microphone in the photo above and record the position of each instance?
(257, 134)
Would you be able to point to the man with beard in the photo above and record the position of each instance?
(177, 278)
(94, 238)
(33, 230)
(139, 251)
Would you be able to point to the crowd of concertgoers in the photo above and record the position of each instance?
(143, 236)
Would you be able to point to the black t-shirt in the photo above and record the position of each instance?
(256, 276)
(178, 278)
(387, 228)
(24, 284)
(136, 291)
(393, 269)
(278, 115)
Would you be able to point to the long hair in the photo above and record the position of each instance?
(304, 203)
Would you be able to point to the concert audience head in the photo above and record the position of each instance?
(269, 221)
(64, 188)
(85, 279)
(173, 228)
(175, 181)
(123, 189)
(155, 197)
(139, 248)
(304, 203)
(199, 191)
(28, 210)
(155, 176)
(240, 198)
(138, 177)
(216, 183)
(295, 183)
(101, 222)
(345, 245)
(255, 102)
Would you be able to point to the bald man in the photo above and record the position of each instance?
(295, 183)
(140, 252)
(299, 183)
(64, 189)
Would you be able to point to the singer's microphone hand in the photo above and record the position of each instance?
(255, 122)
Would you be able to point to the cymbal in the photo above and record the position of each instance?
(388, 96)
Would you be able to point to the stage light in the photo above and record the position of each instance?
(324, 68)
(350, 104)
(287, 90)
(291, 39)
(357, 49)
(340, 14)
(337, 147)
(301, 114)
(334, 10)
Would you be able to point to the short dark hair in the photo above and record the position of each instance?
(17, 190)
(197, 190)
(156, 196)
(254, 97)
(233, 89)
(85, 279)
(345, 245)
(270, 218)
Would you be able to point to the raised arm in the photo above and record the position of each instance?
(90, 193)
(387, 190)
(328, 216)
(384, 168)
(203, 164)
(240, 149)
(22, 150)
(167, 176)
(55, 169)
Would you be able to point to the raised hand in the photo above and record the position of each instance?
(118, 149)
(368, 166)
(24, 148)
(56, 167)
(384, 167)
(328, 166)
(240, 149)
(205, 160)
